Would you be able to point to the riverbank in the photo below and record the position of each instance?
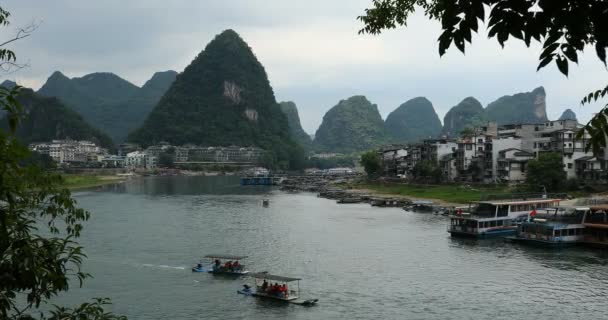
(78, 181)
(456, 195)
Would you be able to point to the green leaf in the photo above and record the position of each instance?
(570, 53)
(601, 52)
(562, 65)
(550, 49)
(445, 39)
(545, 62)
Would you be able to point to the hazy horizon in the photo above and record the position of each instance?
(311, 51)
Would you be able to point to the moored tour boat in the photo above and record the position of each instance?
(596, 227)
(495, 218)
(553, 227)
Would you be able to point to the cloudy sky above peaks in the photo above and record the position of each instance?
(310, 49)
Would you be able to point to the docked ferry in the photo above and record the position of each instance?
(596, 227)
(553, 227)
(496, 218)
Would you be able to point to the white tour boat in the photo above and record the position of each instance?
(496, 218)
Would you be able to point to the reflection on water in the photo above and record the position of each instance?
(361, 262)
(184, 186)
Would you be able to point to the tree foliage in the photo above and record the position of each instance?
(564, 28)
(548, 171)
(467, 132)
(39, 222)
(166, 158)
(427, 171)
(371, 162)
(475, 171)
(597, 127)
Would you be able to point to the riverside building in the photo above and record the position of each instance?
(493, 153)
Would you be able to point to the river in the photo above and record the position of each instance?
(360, 262)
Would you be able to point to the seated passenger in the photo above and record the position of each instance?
(265, 286)
(236, 266)
(273, 288)
(281, 290)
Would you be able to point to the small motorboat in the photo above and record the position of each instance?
(199, 268)
(246, 290)
(350, 200)
(268, 286)
(222, 264)
(420, 206)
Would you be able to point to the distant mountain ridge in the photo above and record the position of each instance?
(525, 107)
(354, 124)
(107, 101)
(48, 119)
(520, 108)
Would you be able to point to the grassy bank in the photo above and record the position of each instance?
(448, 193)
(76, 181)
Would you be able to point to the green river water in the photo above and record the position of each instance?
(360, 262)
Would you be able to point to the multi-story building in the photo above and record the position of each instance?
(447, 163)
(494, 153)
(69, 151)
(113, 161)
(512, 163)
(393, 160)
(591, 168)
(225, 154)
(140, 160)
(181, 153)
(327, 155)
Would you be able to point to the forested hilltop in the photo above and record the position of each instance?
(47, 119)
(525, 107)
(222, 98)
(467, 114)
(352, 125)
(295, 127)
(412, 121)
(108, 102)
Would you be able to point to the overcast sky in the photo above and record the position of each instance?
(310, 49)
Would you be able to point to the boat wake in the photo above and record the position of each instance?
(162, 266)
